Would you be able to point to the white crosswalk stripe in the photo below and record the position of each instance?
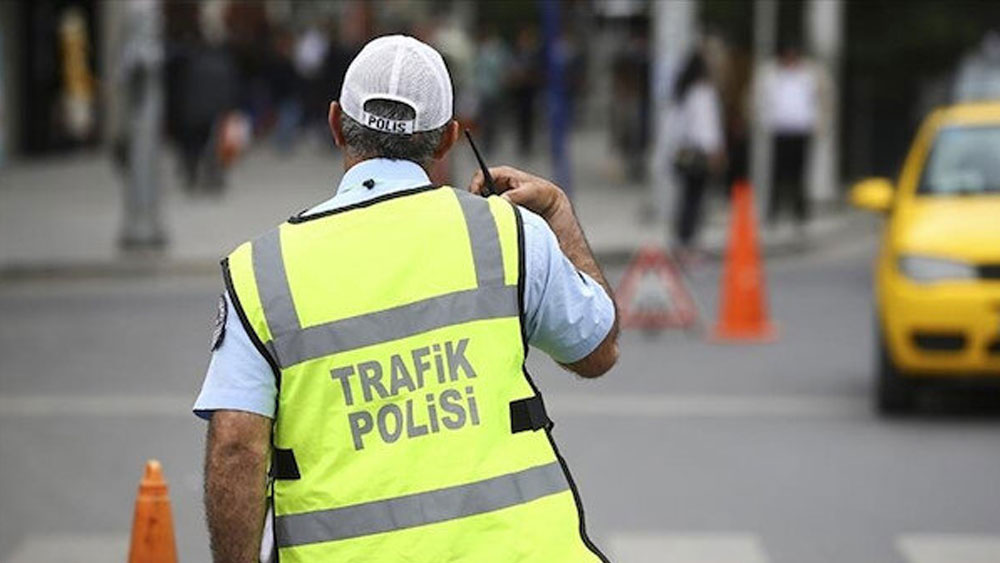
(676, 547)
(686, 548)
(667, 547)
(61, 548)
(949, 548)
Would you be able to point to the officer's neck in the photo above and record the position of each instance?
(351, 160)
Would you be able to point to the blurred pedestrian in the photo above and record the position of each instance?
(449, 37)
(630, 122)
(310, 54)
(490, 77)
(791, 106)
(207, 82)
(79, 110)
(286, 91)
(338, 56)
(700, 147)
(3, 105)
(375, 360)
(734, 91)
(573, 54)
(525, 82)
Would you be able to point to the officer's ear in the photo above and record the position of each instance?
(336, 124)
(451, 133)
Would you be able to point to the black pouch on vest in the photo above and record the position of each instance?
(528, 414)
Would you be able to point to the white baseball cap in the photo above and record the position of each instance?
(401, 69)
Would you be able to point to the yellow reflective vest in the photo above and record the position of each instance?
(407, 428)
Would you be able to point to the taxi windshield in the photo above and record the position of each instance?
(963, 161)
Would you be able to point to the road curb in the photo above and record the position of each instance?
(154, 265)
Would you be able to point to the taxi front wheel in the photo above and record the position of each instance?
(895, 394)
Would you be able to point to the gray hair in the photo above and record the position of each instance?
(362, 142)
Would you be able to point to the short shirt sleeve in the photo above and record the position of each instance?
(238, 377)
(567, 313)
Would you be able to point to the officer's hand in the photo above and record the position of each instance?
(537, 194)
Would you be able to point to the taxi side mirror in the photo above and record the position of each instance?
(873, 194)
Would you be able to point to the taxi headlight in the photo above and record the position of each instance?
(924, 269)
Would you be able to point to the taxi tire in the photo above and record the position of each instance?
(894, 393)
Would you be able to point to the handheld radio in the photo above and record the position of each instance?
(489, 188)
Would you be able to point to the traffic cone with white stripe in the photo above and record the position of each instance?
(153, 525)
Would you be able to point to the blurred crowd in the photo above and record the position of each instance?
(229, 66)
(234, 74)
(240, 73)
(713, 100)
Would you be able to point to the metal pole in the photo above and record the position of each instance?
(824, 25)
(142, 83)
(765, 28)
(673, 33)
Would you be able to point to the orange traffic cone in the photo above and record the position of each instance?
(153, 526)
(743, 312)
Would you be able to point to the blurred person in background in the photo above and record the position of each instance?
(574, 55)
(341, 51)
(630, 123)
(451, 39)
(490, 78)
(791, 97)
(700, 156)
(249, 31)
(78, 82)
(525, 82)
(206, 86)
(3, 117)
(734, 89)
(381, 267)
(286, 89)
(310, 53)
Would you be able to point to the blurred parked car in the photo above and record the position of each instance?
(937, 287)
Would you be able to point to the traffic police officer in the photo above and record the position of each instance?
(367, 376)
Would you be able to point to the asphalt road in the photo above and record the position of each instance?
(689, 451)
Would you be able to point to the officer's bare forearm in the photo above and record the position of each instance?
(573, 243)
(236, 452)
(546, 199)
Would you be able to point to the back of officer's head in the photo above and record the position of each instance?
(396, 101)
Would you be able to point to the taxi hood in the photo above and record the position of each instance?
(961, 227)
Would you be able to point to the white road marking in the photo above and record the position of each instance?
(560, 404)
(686, 548)
(58, 549)
(622, 548)
(949, 548)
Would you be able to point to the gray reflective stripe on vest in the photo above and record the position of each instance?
(291, 344)
(484, 237)
(395, 323)
(272, 284)
(420, 509)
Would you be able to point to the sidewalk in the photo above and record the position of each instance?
(61, 217)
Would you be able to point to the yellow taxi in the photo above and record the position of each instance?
(937, 277)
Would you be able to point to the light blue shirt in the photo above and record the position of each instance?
(567, 314)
